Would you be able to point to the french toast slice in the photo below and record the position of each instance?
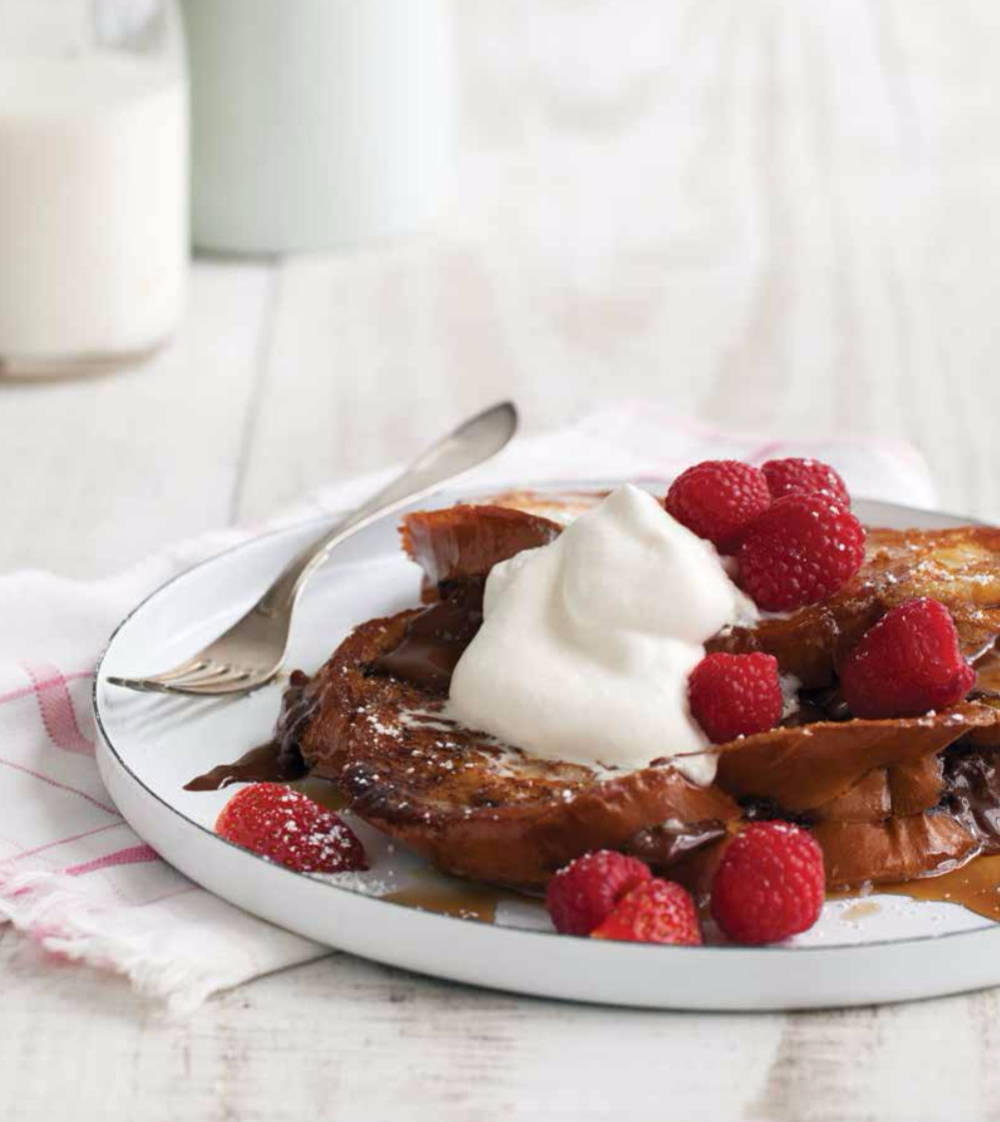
(475, 807)
(875, 793)
(464, 542)
(898, 849)
(855, 854)
(960, 567)
(481, 809)
(805, 767)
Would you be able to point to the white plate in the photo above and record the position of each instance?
(151, 745)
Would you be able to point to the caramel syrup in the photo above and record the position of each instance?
(462, 901)
(975, 886)
(322, 791)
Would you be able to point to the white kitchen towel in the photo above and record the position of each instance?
(73, 875)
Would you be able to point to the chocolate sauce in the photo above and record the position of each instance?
(661, 848)
(263, 764)
(821, 705)
(972, 786)
(764, 810)
(277, 761)
(435, 638)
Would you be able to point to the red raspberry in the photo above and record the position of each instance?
(735, 695)
(582, 894)
(802, 549)
(658, 911)
(769, 884)
(908, 663)
(718, 499)
(290, 829)
(786, 477)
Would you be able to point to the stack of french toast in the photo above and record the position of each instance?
(888, 799)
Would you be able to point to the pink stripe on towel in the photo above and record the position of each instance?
(133, 855)
(56, 708)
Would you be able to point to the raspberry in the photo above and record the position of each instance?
(786, 477)
(802, 549)
(908, 663)
(718, 499)
(582, 894)
(290, 829)
(769, 884)
(735, 695)
(658, 911)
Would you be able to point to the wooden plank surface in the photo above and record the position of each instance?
(99, 472)
(773, 216)
(346, 1039)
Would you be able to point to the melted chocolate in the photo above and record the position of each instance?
(661, 848)
(972, 785)
(277, 761)
(435, 638)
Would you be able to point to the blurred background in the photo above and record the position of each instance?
(776, 217)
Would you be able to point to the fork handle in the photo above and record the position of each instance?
(468, 446)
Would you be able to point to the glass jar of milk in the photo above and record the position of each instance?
(93, 182)
(318, 123)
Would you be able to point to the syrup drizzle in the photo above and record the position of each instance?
(321, 790)
(463, 901)
(975, 886)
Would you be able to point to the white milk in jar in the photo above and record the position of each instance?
(93, 208)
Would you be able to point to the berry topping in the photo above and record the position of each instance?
(787, 477)
(908, 663)
(802, 549)
(769, 884)
(582, 894)
(718, 499)
(658, 911)
(735, 695)
(290, 829)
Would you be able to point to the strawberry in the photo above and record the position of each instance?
(290, 829)
(657, 911)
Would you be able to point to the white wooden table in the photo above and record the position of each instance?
(773, 216)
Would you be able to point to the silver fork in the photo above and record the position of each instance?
(250, 653)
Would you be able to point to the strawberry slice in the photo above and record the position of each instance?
(657, 911)
(288, 828)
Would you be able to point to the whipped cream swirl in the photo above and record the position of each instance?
(587, 643)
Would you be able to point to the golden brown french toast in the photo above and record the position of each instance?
(480, 809)
(474, 807)
(874, 793)
(959, 567)
(462, 542)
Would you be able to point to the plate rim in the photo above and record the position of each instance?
(447, 922)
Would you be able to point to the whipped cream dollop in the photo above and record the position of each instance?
(587, 643)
